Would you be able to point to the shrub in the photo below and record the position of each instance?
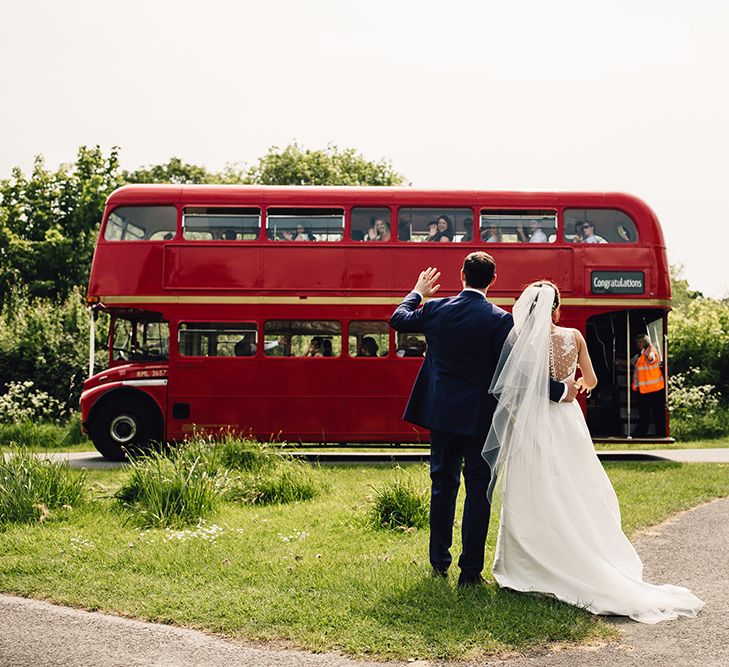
(46, 342)
(22, 402)
(30, 487)
(694, 408)
(400, 504)
(699, 336)
(172, 489)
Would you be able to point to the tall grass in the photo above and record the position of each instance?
(264, 476)
(172, 489)
(43, 435)
(187, 483)
(31, 489)
(287, 482)
(399, 504)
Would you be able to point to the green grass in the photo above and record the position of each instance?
(43, 436)
(172, 489)
(400, 504)
(679, 444)
(312, 574)
(33, 490)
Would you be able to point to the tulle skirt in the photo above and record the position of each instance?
(560, 531)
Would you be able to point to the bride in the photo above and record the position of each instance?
(560, 531)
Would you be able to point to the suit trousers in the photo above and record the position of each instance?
(449, 453)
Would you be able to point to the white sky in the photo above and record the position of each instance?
(629, 95)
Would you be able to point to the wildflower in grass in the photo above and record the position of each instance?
(202, 531)
(80, 543)
(296, 536)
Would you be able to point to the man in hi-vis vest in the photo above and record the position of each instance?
(649, 384)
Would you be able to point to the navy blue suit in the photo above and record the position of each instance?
(451, 397)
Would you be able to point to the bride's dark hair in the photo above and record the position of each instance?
(556, 302)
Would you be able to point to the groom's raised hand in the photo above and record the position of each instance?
(427, 282)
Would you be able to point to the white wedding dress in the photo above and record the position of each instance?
(560, 532)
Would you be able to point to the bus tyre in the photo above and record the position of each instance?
(128, 426)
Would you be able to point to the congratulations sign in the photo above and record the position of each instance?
(618, 282)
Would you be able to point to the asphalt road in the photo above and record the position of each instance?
(688, 550)
(93, 460)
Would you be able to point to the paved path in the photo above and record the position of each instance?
(688, 549)
(719, 455)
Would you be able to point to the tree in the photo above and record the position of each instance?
(49, 222)
(681, 293)
(330, 166)
(183, 173)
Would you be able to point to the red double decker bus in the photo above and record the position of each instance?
(264, 310)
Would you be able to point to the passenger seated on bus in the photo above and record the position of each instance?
(432, 231)
(413, 347)
(403, 230)
(229, 235)
(326, 348)
(368, 347)
(380, 231)
(315, 347)
(246, 346)
(445, 229)
(491, 234)
(468, 233)
(586, 230)
(301, 233)
(535, 234)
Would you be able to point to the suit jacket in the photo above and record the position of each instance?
(465, 334)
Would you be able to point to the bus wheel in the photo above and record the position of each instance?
(128, 425)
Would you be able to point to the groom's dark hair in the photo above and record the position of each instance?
(479, 268)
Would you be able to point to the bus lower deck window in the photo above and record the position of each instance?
(302, 338)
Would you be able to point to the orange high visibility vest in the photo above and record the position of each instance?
(648, 377)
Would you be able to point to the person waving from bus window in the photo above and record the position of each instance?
(648, 382)
(432, 231)
(445, 229)
(301, 233)
(535, 235)
(378, 231)
(586, 231)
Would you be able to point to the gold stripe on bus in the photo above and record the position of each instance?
(353, 300)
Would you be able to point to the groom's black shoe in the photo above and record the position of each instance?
(470, 580)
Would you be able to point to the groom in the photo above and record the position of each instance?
(465, 334)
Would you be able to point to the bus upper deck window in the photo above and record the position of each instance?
(598, 225)
(525, 226)
(141, 223)
(221, 224)
(435, 224)
(305, 224)
(370, 224)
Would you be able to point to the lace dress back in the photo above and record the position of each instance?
(563, 354)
